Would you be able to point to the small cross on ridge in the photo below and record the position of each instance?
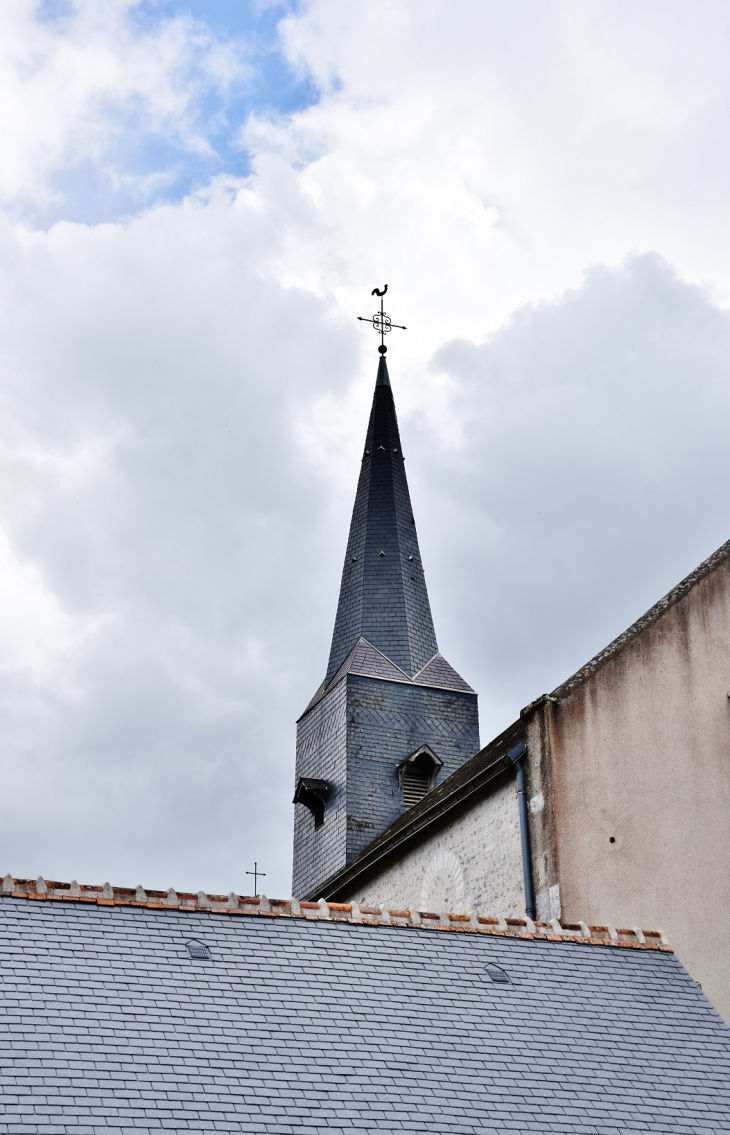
(256, 874)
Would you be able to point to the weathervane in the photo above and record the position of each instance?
(380, 321)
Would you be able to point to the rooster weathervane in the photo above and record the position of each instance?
(380, 321)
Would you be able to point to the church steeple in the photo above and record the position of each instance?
(392, 718)
(383, 595)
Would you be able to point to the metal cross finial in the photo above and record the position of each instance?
(380, 321)
(256, 874)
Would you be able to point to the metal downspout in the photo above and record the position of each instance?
(517, 756)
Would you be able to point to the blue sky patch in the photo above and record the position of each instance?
(143, 165)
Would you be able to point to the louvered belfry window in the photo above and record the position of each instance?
(415, 784)
(418, 774)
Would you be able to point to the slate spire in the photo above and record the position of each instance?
(383, 593)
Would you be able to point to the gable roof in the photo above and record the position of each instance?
(326, 1023)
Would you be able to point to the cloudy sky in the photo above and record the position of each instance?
(196, 199)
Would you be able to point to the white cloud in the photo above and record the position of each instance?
(73, 87)
(37, 636)
(482, 157)
(185, 393)
(590, 479)
(165, 501)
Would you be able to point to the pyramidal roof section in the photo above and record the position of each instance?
(368, 662)
(440, 673)
(383, 595)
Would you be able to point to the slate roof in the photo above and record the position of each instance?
(438, 672)
(366, 660)
(383, 595)
(319, 1022)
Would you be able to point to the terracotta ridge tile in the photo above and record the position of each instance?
(350, 913)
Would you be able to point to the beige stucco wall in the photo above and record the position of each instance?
(640, 754)
(472, 863)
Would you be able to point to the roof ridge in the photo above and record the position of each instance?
(385, 656)
(322, 911)
(635, 629)
(440, 668)
(425, 666)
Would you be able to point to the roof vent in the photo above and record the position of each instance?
(199, 951)
(497, 975)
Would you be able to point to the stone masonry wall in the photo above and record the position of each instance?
(473, 863)
(386, 721)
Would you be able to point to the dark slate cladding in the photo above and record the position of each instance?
(106, 1024)
(354, 738)
(386, 722)
(322, 754)
(383, 597)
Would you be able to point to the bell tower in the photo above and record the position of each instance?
(392, 718)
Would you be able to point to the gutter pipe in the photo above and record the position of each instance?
(517, 756)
